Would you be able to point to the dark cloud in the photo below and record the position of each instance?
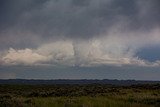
(79, 33)
(76, 19)
(32, 23)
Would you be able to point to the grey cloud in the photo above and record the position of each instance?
(53, 39)
(78, 19)
(121, 27)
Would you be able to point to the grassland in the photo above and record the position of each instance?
(94, 95)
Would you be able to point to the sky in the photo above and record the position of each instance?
(80, 39)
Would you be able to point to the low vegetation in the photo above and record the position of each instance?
(93, 95)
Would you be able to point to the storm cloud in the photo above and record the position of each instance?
(78, 32)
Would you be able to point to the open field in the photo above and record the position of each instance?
(93, 95)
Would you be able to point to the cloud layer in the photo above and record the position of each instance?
(112, 49)
(78, 32)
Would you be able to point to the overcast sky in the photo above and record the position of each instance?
(75, 39)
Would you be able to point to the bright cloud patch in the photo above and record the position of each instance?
(26, 57)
